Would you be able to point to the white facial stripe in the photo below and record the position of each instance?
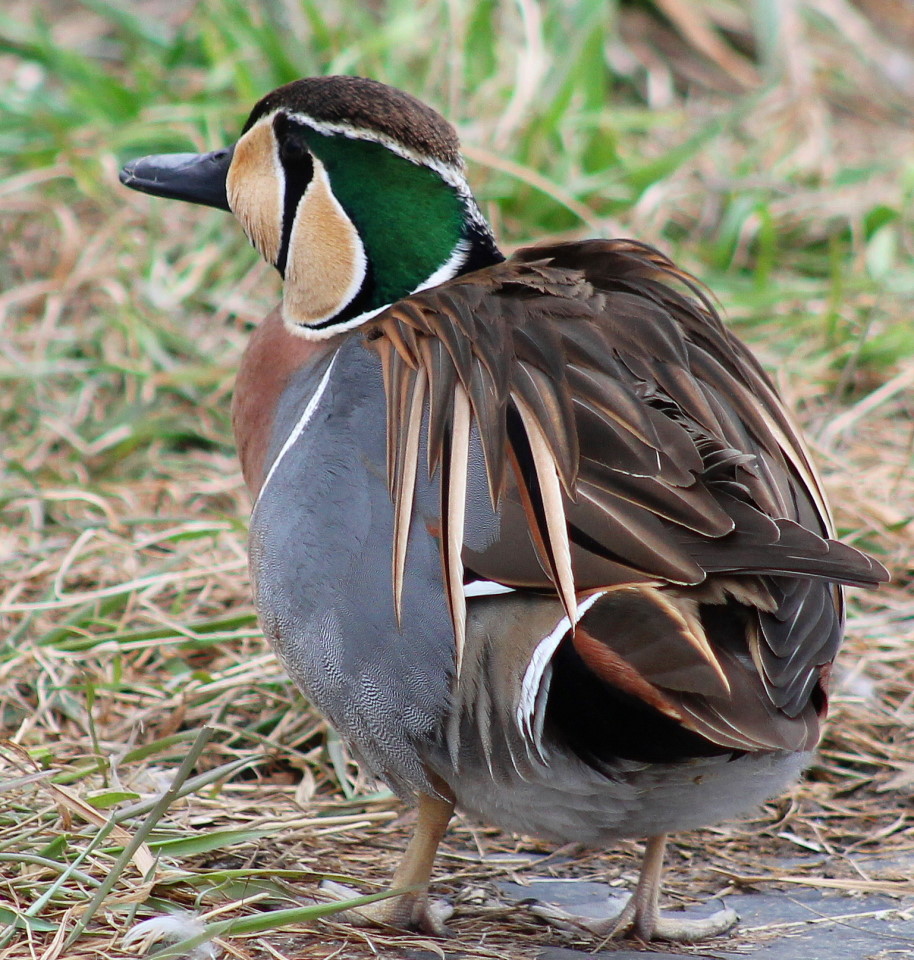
(536, 669)
(448, 269)
(451, 174)
(325, 333)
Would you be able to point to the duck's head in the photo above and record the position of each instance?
(354, 191)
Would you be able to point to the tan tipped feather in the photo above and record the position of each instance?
(558, 548)
(406, 485)
(454, 518)
(691, 632)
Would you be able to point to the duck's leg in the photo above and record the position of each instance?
(642, 916)
(411, 910)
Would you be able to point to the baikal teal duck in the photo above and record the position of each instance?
(536, 534)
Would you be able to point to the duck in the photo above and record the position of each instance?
(536, 534)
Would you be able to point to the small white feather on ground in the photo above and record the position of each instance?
(172, 928)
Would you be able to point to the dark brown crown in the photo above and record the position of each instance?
(368, 105)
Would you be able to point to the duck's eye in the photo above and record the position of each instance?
(292, 150)
(292, 146)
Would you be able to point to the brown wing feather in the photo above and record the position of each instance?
(628, 438)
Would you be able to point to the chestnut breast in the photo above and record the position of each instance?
(272, 357)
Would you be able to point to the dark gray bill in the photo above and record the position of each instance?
(194, 177)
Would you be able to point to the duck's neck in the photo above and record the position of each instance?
(273, 355)
(419, 230)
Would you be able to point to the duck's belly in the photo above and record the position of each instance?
(568, 801)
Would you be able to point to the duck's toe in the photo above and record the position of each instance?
(676, 929)
(627, 922)
(409, 911)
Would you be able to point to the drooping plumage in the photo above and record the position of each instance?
(600, 391)
(537, 535)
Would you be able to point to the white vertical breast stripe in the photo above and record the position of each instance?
(299, 428)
